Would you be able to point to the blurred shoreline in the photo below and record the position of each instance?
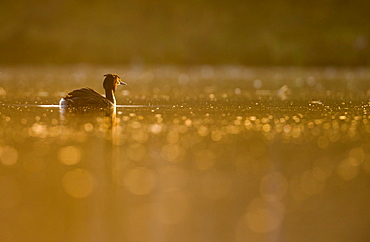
(315, 33)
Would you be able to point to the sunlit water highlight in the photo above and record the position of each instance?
(197, 154)
(58, 106)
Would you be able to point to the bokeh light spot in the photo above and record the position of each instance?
(88, 127)
(69, 155)
(172, 152)
(216, 135)
(156, 128)
(346, 170)
(78, 183)
(357, 156)
(8, 155)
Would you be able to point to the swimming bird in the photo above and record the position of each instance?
(87, 97)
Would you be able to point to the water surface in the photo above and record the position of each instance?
(191, 154)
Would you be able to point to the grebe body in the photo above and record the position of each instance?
(87, 97)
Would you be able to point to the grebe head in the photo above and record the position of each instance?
(111, 82)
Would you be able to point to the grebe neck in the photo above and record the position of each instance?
(109, 94)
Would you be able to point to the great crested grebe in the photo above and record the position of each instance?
(87, 97)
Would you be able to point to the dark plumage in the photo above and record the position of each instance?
(87, 97)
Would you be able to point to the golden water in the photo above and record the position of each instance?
(191, 154)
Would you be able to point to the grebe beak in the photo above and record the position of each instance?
(122, 83)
